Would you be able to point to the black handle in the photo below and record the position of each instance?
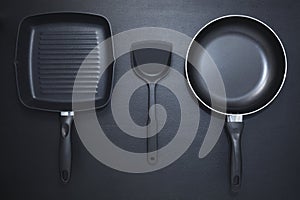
(152, 142)
(65, 153)
(235, 130)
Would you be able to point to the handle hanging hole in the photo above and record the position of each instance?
(65, 130)
(236, 180)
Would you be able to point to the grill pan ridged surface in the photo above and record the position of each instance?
(59, 57)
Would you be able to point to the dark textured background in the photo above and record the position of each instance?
(29, 142)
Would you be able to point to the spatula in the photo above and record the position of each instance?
(150, 62)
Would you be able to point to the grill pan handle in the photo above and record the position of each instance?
(234, 129)
(65, 153)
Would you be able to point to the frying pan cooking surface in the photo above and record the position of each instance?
(250, 59)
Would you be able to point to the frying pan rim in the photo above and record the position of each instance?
(54, 13)
(256, 20)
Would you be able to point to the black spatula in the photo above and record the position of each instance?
(150, 62)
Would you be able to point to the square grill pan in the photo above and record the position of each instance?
(51, 48)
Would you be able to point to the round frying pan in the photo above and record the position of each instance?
(252, 64)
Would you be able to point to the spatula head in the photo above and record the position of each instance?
(151, 60)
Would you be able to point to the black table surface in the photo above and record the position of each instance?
(29, 143)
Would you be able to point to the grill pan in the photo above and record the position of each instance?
(50, 50)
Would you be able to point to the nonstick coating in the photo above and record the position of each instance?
(250, 59)
(50, 49)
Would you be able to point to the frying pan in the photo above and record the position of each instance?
(51, 48)
(252, 63)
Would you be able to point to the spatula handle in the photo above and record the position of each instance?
(152, 139)
(65, 153)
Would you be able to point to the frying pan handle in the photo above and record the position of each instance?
(235, 130)
(152, 139)
(65, 148)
